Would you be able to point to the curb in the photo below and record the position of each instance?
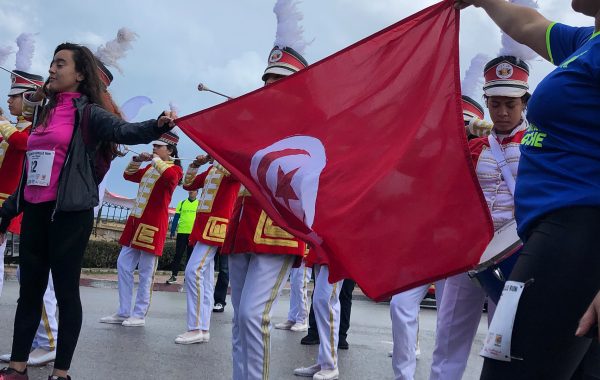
(160, 287)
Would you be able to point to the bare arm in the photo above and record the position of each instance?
(525, 25)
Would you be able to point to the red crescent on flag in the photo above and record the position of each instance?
(268, 159)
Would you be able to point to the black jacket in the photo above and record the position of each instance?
(77, 187)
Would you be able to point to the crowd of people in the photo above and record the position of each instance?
(537, 162)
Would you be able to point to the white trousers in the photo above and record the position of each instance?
(256, 282)
(299, 305)
(2, 249)
(200, 286)
(458, 318)
(404, 311)
(326, 305)
(47, 332)
(146, 262)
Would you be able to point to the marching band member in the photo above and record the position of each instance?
(557, 202)
(219, 192)
(146, 228)
(459, 312)
(326, 305)
(57, 196)
(261, 253)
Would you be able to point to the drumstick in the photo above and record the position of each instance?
(20, 76)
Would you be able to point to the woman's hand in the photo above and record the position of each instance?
(143, 157)
(167, 118)
(590, 318)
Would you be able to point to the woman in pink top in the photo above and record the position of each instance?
(68, 153)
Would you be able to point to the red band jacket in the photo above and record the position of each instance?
(146, 227)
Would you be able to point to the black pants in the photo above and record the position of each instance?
(562, 256)
(181, 246)
(345, 310)
(589, 369)
(222, 266)
(58, 246)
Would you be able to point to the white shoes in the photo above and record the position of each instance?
(417, 353)
(327, 374)
(287, 325)
(307, 371)
(134, 322)
(41, 357)
(294, 326)
(113, 319)
(191, 337)
(297, 327)
(37, 357)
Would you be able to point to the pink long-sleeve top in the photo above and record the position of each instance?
(55, 136)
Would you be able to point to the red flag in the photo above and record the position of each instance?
(364, 156)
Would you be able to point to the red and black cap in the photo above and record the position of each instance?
(284, 61)
(471, 109)
(167, 138)
(20, 85)
(506, 76)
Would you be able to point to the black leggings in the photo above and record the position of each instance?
(58, 246)
(562, 256)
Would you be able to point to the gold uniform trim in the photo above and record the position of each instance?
(215, 229)
(332, 327)
(6, 130)
(160, 165)
(47, 328)
(133, 167)
(3, 197)
(268, 233)
(190, 175)
(144, 236)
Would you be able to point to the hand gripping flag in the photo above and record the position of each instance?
(364, 156)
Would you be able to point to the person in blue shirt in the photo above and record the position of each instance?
(557, 196)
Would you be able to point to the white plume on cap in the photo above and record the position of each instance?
(512, 47)
(116, 49)
(26, 44)
(472, 84)
(173, 108)
(5, 51)
(289, 31)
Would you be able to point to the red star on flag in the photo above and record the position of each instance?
(284, 186)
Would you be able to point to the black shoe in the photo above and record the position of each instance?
(171, 280)
(343, 344)
(59, 378)
(310, 340)
(219, 308)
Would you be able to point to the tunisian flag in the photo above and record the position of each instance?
(364, 156)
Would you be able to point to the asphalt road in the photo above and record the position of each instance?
(136, 353)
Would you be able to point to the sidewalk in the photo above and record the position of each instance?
(107, 279)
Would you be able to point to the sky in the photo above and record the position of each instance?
(222, 44)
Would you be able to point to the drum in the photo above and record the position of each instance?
(497, 261)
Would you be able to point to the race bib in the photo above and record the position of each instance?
(39, 168)
(498, 340)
